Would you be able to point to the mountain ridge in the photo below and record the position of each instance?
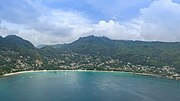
(137, 52)
(90, 52)
(80, 39)
(13, 40)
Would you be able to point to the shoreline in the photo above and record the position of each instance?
(141, 74)
(32, 71)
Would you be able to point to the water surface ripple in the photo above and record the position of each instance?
(87, 86)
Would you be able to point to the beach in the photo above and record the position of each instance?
(31, 71)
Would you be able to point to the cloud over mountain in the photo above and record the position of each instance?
(49, 22)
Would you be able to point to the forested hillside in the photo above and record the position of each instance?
(91, 52)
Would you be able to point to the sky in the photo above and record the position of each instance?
(64, 21)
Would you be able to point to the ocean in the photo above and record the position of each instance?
(87, 86)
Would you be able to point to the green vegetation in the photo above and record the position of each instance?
(17, 54)
(100, 53)
(156, 54)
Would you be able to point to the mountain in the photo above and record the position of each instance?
(16, 40)
(136, 52)
(57, 46)
(91, 45)
(49, 51)
(93, 40)
(1, 38)
(91, 52)
(17, 54)
(17, 44)
(40, 46)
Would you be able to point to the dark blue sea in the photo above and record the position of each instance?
(87, 86)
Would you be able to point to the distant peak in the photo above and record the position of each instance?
(104, 37)
(9, 37)
(90, 36)
(93, 36)
(12, 36)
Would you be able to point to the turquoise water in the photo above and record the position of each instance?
(87, 86)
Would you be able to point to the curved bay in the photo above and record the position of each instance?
(87, 86)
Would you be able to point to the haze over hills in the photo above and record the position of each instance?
(91, 52)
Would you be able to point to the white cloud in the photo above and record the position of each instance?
(116, 30)
(59, 22)
(160, 21)
(119, 9)
(4, 30)
(61, 26)
(47, 26)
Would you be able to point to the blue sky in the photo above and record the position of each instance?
(63, 21)
(102, 9)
